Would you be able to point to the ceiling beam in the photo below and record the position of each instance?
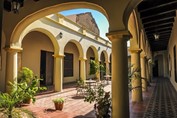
(163, 22)
(157, 20)
(144, 6)
(159, 17)
(160, 26)
(158, 29)
(155, 14)
(157, 25)
(159, 32)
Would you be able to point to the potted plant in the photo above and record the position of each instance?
(102, 100)
(59, 102)
(29, 84)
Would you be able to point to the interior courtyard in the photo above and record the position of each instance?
(60, 50)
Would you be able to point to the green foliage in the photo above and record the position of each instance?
(134, 73)
(96, 67)
(26, 88)
(58, 100)
(25, 75)
(9, 103)
(80, 82)
(101, 98)
(28, 84)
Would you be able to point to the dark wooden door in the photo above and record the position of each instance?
(46, 68)
(155, 69)
(49, 68)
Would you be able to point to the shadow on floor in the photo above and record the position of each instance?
(77, 97)
(91, 114)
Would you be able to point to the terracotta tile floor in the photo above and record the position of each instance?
(75, 107)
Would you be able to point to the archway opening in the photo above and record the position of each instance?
(37, 54)
(71, 63)
(102, 62)
(90, 56)
(158, 68)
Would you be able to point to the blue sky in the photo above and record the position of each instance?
(100, 19)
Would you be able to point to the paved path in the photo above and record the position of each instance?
(158, 102)
(74, 107)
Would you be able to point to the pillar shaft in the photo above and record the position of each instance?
(147, 71)
(136, 78)
(98, 72)
(120, 95)
(11, 66)
(58, 72)
(143, 73)
(107, 68)
(83, 69)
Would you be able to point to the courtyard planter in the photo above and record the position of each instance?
(59, 103)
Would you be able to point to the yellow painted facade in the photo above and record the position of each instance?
(124, 24)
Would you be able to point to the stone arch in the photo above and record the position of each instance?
(73, 52)
(79, 47)
(132, 5)
(37, 54)
(50, 10)
(95, 51)
(105, 55)
(134, 30)
(44, 31)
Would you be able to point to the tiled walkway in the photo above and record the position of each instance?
(163, 103)
(158, 102)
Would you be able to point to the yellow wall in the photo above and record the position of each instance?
(71, 48)
(171, 44)
(32, 45)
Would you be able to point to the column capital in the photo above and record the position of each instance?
(58, 56)
(138, 50)
(119, 34)
(82, 59)
(107, 61)
(13, 49)
(143, 55)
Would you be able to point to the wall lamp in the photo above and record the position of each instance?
(60, 35)
(14, 5)
(98, 48)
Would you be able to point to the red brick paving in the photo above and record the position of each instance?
(75, 107)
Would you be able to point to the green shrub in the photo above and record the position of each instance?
(101, 99)
(58, 100)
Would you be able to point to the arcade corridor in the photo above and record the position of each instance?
(163, 103)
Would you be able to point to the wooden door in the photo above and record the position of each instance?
(46, 68)
(49, 68)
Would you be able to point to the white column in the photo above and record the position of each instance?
(83, 68)
(58, 72)
(11, 66)
(120, 94)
